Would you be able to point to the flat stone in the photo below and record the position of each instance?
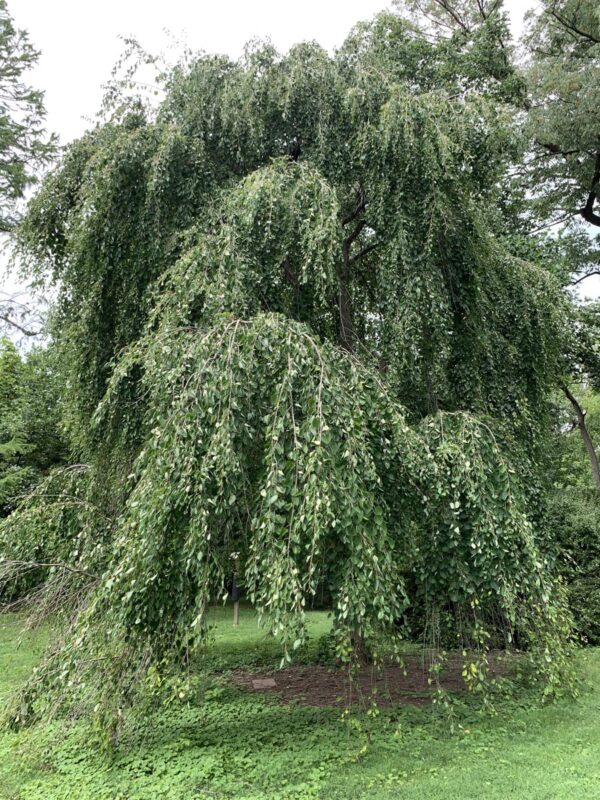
(263, 683)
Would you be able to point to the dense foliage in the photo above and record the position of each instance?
(564, 79)
(574, 516)
(289, 331)
(24, 145)
(30, 437)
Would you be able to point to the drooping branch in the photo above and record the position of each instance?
(571, 26)
(585, 434)
(50, 564)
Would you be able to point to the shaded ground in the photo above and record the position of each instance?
(229, 743)
(318, 685)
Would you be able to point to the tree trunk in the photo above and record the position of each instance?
(587, 212)
(346, 330)
(290, 277)
(345, 298)
(361, 653)
(585, 435)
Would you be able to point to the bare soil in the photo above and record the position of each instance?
(319, 685)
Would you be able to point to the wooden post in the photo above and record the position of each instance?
(235, 592)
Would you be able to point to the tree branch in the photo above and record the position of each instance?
(20, 328)
(345, 298)
(364, 252)
(587, 212)
(556, 150)
(585, 435)
(445, 6)
(571, 26)
(361, 204)
(58, 564)
(583, 277)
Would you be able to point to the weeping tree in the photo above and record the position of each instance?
(288, 331)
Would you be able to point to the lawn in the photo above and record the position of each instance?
(230, 743)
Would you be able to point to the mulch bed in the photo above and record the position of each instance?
(318, 685)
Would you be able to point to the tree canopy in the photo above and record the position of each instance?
(564, 80)
(24, 144)
(289, 331)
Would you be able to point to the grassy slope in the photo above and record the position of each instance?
(247, 747)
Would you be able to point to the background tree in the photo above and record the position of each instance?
(25, 150)
(30, 438)
(574, 514)
(562, 177)
(24, 145)
(564, 82)
(15, 477)
(473, 36)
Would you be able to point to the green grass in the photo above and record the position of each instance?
(248, 645)
(228, 744)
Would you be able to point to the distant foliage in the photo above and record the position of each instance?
(30, 437)
(563, 173)
(574, 519)
(24, 144)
